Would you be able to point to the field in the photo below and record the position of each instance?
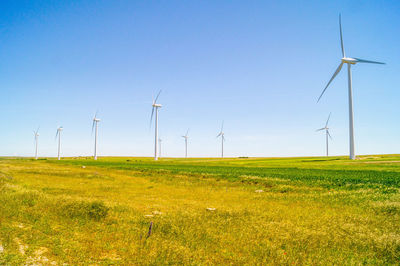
(202, 211)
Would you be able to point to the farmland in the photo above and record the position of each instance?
(222, 211)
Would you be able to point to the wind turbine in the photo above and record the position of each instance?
(326, 128)
(222, 134)
(349, 61)
(95, 124)
(155, 107)
(186, 142)
(36, 134)
(59, 140)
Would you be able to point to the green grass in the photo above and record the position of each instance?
(310, 211)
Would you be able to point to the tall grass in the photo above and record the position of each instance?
(204, 211)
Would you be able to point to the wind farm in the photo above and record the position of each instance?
(306, 175)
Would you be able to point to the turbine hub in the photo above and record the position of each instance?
(157, 105)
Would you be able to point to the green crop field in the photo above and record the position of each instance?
(201, 211)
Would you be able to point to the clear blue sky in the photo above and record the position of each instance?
(258, 65)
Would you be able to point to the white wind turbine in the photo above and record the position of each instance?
(155, 106)
(326, 128)
(95, 124)
(59, 140)
(222, 135)
(349, 61)
(36, 134)
(186, 142)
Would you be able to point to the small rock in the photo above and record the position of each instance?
(211, 209)
(1, 249)
(259, 191)
(83, 166)
(157, 212)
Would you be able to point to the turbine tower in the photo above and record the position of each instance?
(59, 140)
(349, 61)
(326, 128)
(222, 135)
(186, 142)
(95, 124)
(155, 106)
(36, 134)
(159, 143)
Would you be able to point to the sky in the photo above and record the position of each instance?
(259, 66)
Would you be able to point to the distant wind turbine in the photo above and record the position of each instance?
(326, 128)
(186, 142)
(59, 140)
(155, 106)
(222, 135)
(349, 61)
(36, 134)
(95, 124)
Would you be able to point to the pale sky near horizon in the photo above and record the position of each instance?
(258, 65)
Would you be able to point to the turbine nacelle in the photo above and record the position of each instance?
(349, 60)
(96, 120)
(156, 105)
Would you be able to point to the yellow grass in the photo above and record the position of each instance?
(55, 213)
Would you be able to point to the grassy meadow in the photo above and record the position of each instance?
(237, 211)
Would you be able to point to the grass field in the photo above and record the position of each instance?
(203, 211)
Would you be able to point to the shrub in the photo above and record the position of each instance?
(95, 210)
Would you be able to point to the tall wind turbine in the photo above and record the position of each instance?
(155, 106)
(349, 61)
(95, 124)
(222, 135)
(186, 142)
(59, 140)
(36, 134)
(326, 128)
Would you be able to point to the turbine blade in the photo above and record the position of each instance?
(329, 135)
(219, 134)
(334, 75)
(93, 125)
(157, 96)
(151, 117)
(222, 127)
(187, 133)
(341, 36)
(359, 60)
(319, 129)
(56, 134)
(327, 121)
